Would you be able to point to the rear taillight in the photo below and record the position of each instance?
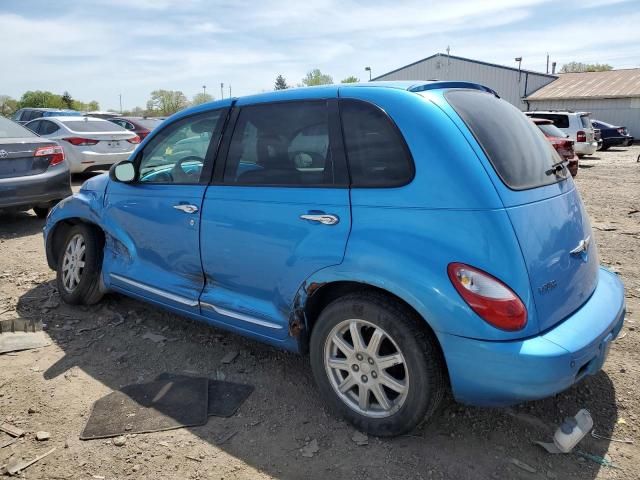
(80, 142)
(581, 136)
(134, 140)
(491, 299)
(54, 152)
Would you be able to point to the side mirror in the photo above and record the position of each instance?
(124, 172)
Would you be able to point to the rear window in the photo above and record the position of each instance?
(559, 120)
(517, 149)
(63, 113)
(586, 121)
(93, 126)
(149, 123)
(9, 129)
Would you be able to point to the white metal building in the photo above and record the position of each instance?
(613, 96)
(510, 83)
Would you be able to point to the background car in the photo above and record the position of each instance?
(105, 115)
(89, 144)
(33, 171)
(141, 126)
(613, 135)
(25, 115)
(560, 141)
(577, 125)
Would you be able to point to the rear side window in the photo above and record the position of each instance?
(47, 127)
(92, 126)
(281, 144)
(376, 152)
(586, 121)
(517, 149)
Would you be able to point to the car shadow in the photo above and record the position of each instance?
(106, 341)
(19, 224)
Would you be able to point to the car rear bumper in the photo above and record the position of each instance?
(488, 373)
(613, 141)
(87, 161)
(33, 190)
(585, 148)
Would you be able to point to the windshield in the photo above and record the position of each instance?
(550, 130)
(93, 126)
(9, 129)
(517, 149)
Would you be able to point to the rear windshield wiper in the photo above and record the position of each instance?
(556, 168)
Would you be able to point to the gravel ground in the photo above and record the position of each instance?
(92, 353)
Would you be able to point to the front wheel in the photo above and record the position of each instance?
(376, 365)
(79, 261)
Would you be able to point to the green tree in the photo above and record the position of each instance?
(316, 77)
(200, 98)
(281, 83)
(166, 102)
(8, 105)
(350, 79)
(577, 67)
(67, 100)
(40, 99)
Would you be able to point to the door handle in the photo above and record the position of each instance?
(186, 208)
(324, 218)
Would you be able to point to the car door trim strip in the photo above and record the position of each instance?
(240, 316)
(155, 291)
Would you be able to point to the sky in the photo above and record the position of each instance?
(99, 49)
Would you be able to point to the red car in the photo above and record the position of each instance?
(560, 141)
(141, 126)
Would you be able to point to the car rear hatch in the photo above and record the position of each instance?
(100, 136)
(17, 157)
(542, 202)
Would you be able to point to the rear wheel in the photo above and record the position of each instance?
(41, 212)
(79, 261)
(376, 365)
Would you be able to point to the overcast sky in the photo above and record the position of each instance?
(97, 49)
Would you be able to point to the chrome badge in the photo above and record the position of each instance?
(582, 246)
(4, 154)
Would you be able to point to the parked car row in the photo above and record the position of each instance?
(588, 135)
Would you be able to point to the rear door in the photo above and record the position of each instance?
(277, 213)
(543, 204)
(154, 223)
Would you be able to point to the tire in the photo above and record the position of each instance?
(421, 372)
(85, 289)
(605, 148)
(41, 212)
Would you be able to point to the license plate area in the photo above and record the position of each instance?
(114, 143)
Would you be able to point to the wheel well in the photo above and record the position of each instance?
(323, 295)
(60, 232)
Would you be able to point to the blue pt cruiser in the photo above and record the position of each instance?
(410, 236)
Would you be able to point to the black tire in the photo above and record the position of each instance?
(605, 148)
(418, 345)
(87, 291)
(41, 212)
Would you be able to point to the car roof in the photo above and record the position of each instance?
(561, 112)
(67, 118)
(48, 109)
(331, 91)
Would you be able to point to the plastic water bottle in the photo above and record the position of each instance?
(572, 430)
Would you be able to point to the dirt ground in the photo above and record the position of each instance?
(93, 353)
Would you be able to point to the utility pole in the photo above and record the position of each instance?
(519, 60)
(204, 89)
(368, 69)
(229, 91)
(120, 103)
(221, 91)
(547, 62)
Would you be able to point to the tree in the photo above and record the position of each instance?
(281, 83)
(316, 77)
(200, 98)
(350, 79)
(67, 100)
(166, 102)
(8, 105)
(577, 67)
(41, 99)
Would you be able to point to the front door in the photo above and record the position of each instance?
(279, 213)
(153, 224)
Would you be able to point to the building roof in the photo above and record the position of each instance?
(478, 62)
(609, 84)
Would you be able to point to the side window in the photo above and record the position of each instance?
(47, 127)
(36, 114)
(281, 144)
(34, 126)
(376, 152)
(177, 153)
